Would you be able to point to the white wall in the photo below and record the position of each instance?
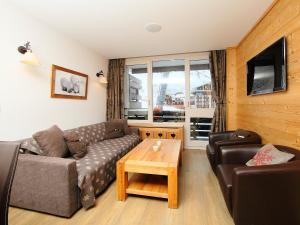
(25, 103)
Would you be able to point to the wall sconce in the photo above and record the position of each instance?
(27, 55)
(102, 78)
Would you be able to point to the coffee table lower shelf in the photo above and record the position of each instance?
(148, 185)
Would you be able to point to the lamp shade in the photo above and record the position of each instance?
(29, 58)
(103, 80)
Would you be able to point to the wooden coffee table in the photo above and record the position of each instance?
(155, 174)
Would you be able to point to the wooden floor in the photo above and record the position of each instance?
(200, 203)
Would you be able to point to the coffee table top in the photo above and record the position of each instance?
(168, 154)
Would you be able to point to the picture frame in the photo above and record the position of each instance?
(69, 84)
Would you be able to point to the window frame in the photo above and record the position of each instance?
(149, 62)
(126, 79)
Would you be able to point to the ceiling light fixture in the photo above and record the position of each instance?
(153, 27)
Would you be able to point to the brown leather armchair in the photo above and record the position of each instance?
(228, 138)
(260, 195)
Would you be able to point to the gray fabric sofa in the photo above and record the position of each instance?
(60, 186)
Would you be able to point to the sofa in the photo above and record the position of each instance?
(260, 195)
(60, 186)
(228, 138)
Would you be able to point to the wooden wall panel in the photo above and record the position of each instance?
(231, 89)
(276, 117)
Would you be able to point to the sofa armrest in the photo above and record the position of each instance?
(238, 154)
(267, 194)
(46, 184)
(217, 136)
(132, 130)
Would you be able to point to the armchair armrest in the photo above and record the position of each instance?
(217, 136)
(46, 184)
(267, 194)
(238, 154)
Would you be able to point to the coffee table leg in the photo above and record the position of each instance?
(172, 188)
(122, 182)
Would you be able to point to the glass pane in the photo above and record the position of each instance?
(168, 91)
(200, 85)
(200, 128)
(136, 92)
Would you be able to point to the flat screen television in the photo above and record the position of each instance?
(267, 72)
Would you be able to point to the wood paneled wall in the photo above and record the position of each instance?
(231, 89)
(276, 117)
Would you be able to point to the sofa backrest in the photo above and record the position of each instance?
(91, 133)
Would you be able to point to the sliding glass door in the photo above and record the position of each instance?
(200, 104)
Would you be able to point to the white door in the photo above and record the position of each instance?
(200, 106)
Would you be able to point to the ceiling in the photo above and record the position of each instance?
(115, 28)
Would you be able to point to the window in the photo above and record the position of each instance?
(136, 92)
(200, 85)
(168, 91)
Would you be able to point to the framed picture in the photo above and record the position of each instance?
(68, 83)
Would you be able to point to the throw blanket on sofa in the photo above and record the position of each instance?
(98, 168)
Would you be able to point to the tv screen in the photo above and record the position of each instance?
(267, 71)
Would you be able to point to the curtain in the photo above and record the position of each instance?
(217, 61)
(115, 86)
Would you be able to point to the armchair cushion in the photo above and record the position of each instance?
(269, 155)
(238, 154)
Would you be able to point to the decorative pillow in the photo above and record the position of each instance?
(52, 142)
(77, 149)
(125, 124)
(114, 129)
(269, 155)
(30, 145)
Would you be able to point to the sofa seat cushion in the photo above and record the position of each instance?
(97, 169)
(224, 174)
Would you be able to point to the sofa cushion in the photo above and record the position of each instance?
(269, 155)
(77, 148)
(98, 168)
(91, 133)
(51, 142)
(115, 129)
(224, 174)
